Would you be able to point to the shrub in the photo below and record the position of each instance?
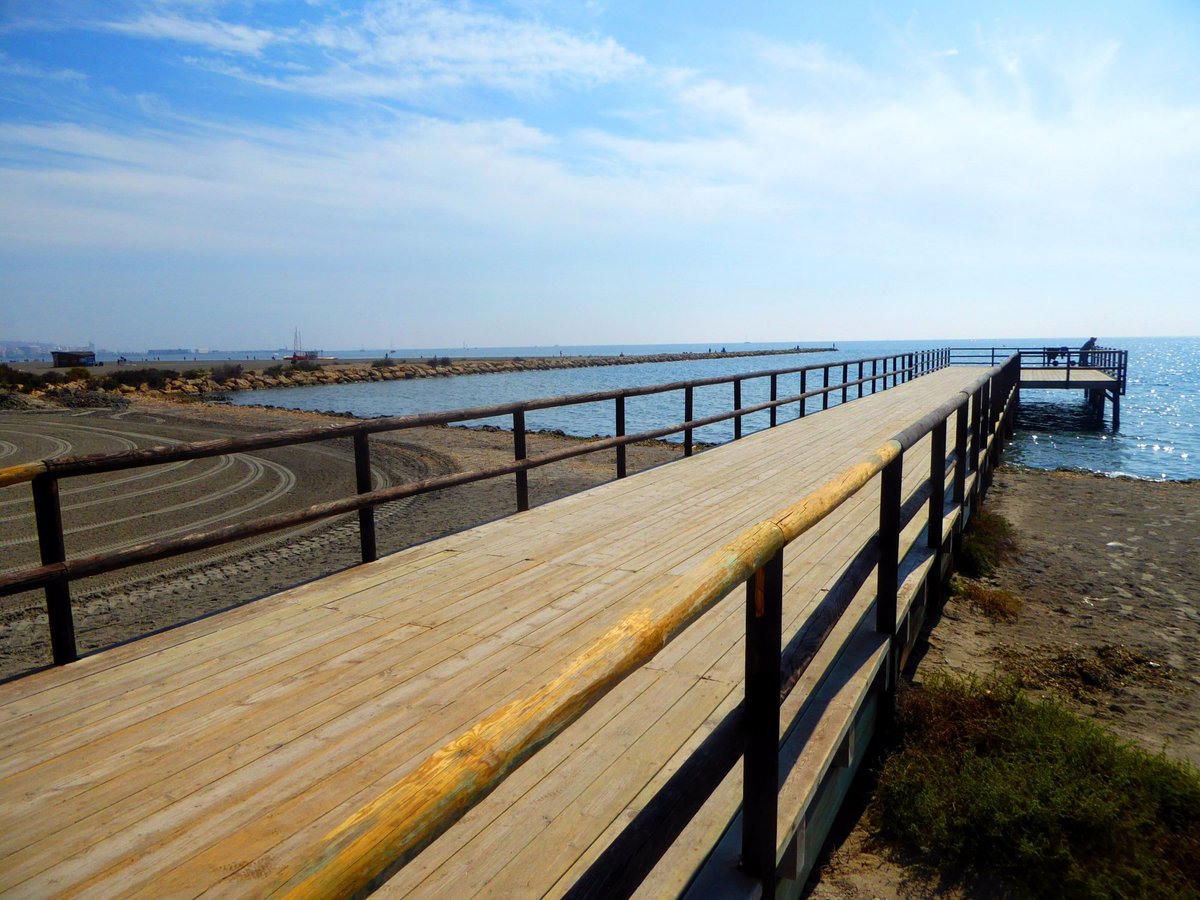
(155, 378)
(988, 782)
(77, 373)
(988, 541)
(385, 363)
(226, 372)
(306, 365)
(195, 373)
(273, 371)
(15, 378)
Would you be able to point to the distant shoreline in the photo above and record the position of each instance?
(207, 376)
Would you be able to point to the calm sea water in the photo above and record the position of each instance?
(1160, 415)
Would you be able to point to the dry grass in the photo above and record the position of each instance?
(996, 603)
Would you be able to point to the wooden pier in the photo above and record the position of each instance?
(1100, 372)
(553, 703)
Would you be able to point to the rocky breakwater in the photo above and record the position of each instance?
(160, 381)
(393, 370)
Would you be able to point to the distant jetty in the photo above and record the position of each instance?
(215, 376)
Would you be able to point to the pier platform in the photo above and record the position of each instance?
(212, 758)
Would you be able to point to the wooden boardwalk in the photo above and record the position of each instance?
(211, 757)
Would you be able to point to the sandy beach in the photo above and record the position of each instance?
(131, 602)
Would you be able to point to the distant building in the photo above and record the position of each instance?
(65, 359)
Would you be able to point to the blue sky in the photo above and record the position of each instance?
(409, 173)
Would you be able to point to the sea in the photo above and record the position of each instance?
(1159, 438)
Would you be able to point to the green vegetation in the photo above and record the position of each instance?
(438, 361)
(385, 363)
(305, 365)
(273, 371)
(996, 603)
(19, 380)
(156, 379)
(987, 782)
(226, 372)
(15, 379)
(987, 542)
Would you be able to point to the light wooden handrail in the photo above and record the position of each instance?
(22, 473)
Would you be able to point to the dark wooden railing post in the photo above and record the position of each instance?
(976, 402)
(803, 391)
(960, 454)
(937, 511)
(888, 583)
(825, 389)
(985, 431)
(760, 764)
(363, 484)
(860, 379)
(687, 417)
(845, 378)
(874, 373)
(774, 397)
(620, 402)
(519, 454)
(48, 514)
(737, 404)
(937, 484)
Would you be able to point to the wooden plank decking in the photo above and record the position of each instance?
(207, 758)
(1080, 378)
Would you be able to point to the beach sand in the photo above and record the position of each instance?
(132, 602)
(1107, 569)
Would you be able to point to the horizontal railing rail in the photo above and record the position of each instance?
(384, 835)
(56, 571)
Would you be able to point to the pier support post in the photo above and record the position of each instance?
(1116, 414)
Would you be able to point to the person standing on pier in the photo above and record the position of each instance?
(1084, 355)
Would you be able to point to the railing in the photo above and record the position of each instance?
(56, 572)
(383, 836)
(1109, 360)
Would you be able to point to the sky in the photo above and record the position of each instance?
(403, 173)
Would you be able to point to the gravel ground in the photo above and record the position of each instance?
(122, 508)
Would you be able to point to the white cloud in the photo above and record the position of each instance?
(940, 174)
(21, 69)
(211, 34)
